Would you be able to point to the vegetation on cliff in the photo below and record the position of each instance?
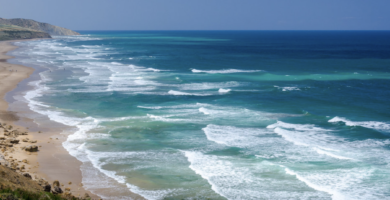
(15, 186)
(11, 32)
(38, 26)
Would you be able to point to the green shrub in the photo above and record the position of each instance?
(20, 194)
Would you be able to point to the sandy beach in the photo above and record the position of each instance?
(52, 161)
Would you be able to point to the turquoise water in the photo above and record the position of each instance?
(221, 115)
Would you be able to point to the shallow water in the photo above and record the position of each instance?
(221, 115)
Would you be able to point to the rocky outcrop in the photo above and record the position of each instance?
(38, 26)
(12, 140)
(56, 188)
(31, 148)
(27, 175)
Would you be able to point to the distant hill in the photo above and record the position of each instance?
(38, 26)
(12, 32)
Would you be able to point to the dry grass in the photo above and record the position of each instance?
(14, 186)
(4, 27)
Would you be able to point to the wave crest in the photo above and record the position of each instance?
(224, 71)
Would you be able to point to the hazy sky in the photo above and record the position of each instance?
(204, 14)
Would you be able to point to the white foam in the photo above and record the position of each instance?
(233, 136)
(210, 85)
(157, 70)
(308, 135)
(224, 71)
(324, 152)
(342, 183)
(149, 107)
(284, 89)
(101, 76)
(228, 114)
(178, 93)
(169, 118)
(221, 90)
(268, 156)
(155, 117)
(295, 126)
(204, 111)
(208, 172)
(195, 106)
(173, 92)
(152, 194)
(290, 136)
(245, 180)
(379, 126)
(117, 119)
(96, 157)
(336, 195)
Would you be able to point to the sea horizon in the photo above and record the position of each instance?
(233, 30)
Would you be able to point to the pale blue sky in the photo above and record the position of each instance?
(204, 14)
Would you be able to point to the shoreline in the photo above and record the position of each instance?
(52, 161)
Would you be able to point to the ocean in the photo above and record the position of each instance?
(221, 114)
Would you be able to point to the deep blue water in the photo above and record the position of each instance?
(221, 114)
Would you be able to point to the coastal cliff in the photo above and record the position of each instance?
(38, 26)
(10, 32)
